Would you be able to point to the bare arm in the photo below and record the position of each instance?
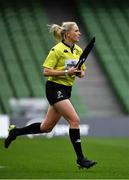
(53, 72)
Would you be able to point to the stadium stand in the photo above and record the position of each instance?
(5, 89)
(22, 51)
(106, 20)
(25, 41)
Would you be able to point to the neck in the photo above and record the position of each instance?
(70, 44)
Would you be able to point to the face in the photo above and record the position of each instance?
(74, 34)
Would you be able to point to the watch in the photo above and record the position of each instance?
(66, 72)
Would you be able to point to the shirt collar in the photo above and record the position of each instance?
(71, 47)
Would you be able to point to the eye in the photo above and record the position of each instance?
(77, 30)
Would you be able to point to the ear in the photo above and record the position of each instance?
(66, 35)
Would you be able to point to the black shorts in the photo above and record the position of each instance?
(57, 92)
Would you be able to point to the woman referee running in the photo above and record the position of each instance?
(59, 67)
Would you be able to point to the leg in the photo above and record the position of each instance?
(35, 128)
(50, 120)
(66, 109)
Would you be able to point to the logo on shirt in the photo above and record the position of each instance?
(70, 63)
(59, 94)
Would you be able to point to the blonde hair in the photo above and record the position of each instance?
(60, 31)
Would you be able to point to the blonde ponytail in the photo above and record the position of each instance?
(57, 32)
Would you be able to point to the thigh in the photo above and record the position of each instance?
(51, 119)
(66, 109)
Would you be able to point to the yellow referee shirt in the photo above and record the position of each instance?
(62, 57)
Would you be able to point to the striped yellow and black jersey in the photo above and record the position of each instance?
(62, 57)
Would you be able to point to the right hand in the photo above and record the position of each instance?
(73, 71)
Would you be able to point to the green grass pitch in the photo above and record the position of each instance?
(43, 158)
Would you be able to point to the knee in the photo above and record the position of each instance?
(74, 123)
(45, 129)
(48, 130)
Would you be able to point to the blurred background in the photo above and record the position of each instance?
(101, 98)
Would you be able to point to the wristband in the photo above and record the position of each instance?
(66, 72)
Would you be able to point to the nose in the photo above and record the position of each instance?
(79, 33)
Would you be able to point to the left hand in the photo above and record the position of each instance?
(80, 73)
